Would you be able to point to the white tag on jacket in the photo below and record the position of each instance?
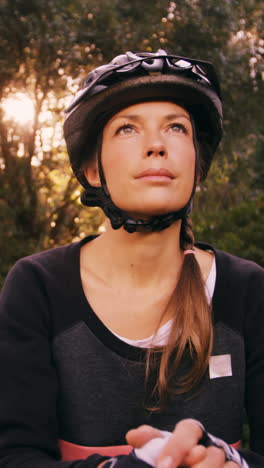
(220, 366)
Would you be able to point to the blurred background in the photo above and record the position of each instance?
(48, 46)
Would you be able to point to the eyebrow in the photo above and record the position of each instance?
(137, 118)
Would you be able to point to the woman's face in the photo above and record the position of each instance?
(148, 158)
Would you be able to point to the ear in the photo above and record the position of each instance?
(92, 174)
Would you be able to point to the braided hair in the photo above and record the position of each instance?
(184, 360)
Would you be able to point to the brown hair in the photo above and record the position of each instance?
(182, 363)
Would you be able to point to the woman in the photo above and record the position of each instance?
(139, 326)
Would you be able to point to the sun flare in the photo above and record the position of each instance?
(19, 107)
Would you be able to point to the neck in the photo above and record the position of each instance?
(141, 258)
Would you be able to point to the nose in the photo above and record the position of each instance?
(156, 150)
(155, 143)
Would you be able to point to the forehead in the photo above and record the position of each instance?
(159, 109)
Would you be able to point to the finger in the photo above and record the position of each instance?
(141, 435)
(185, 436)
(215, 458)
(195, 455)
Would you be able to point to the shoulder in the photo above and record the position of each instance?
(50, 257)
(234, 268)
(43, 276)
(44, 264)
(50, 277)
(242, 279)
(40, 283)
(238, 296)
(242, 276)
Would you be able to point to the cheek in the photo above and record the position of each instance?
(189, 152)
(117, 160)
(183, 154)
(114, 172)
(190, 160)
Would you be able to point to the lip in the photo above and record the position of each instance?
(151, 172)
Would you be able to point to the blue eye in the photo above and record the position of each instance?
(125, 130)
(178, 128)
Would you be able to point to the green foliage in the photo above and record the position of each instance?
(44, 43)
(229, 207)
(238, 230)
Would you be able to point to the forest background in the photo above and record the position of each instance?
(46, 49)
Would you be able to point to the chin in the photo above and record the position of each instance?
(149, 212)
(146, 207)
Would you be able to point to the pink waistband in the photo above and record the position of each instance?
(71, 451)
(236, 445)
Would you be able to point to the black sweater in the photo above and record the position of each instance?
(64, 375)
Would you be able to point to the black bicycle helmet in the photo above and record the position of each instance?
(128, 79)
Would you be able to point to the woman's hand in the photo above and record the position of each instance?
(182, 448)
